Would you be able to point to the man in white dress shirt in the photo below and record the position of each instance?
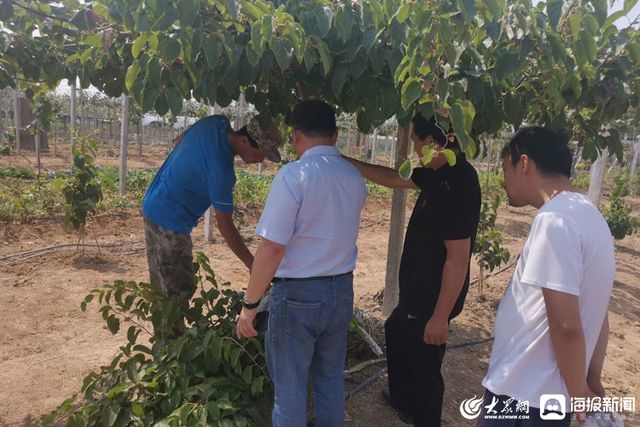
(309, 229)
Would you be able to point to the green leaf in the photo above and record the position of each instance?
(131, 334)
(506, 65)
(323, 16)
(459, 118)
(411, 92)
(600, 10)
(450, 156)
(590, 48)
(344, 22)
(188, 11)
(266, 28)
(138, 45)
(137, 409)
(161, 105)
(427, 155)
(149, 97)
(495, 8)
(283, 51)
(554, 11)
(132, 74)
(633, 50)
(613, 18)
(323, 50)
(468, 8)
(174, 99)
(113, 324)
(250, 10)
(580, 53)
(6, 10)
(405, 170)
(212, 51)
(109, 414)
(169, 49)
(247, 374)
(338, 79)
(403, 12)
(117, 390)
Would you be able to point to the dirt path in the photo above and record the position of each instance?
(48, 345)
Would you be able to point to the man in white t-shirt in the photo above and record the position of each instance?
(551, 328)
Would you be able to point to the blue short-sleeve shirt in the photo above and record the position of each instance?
(198, 173)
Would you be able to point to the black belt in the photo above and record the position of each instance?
(307, 279)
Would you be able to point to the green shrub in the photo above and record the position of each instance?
(635, 184)
(618, 215)
(251, 190)
(378, 191)
(581, 180)
(17, 172)
(204, 376)
(83, 190)
(491, 182)
(487, 248)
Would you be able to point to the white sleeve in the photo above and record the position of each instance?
(281, 209)
(554, 259)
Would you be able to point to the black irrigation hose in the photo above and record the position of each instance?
(55, 248)
(366, 383)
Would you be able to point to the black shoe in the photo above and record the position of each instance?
(404, 415)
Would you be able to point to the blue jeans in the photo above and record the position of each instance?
(307, 334)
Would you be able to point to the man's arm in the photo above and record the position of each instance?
(454, 274)
(567, 338)
(268, 257)
(597, 360)
(381, 174)
(232, 236)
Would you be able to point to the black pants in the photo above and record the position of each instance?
(504, 404)
(415, 381)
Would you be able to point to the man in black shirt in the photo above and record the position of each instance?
(434, 271)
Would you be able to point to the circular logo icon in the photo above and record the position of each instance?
(471, 408)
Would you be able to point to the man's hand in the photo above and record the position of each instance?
(436, 331)
(244, 328)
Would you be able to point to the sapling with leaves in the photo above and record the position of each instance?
(83, 190)
(487, 248)
(429, 152)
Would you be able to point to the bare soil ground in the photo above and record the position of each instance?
(48, 345)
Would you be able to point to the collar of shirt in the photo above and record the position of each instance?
(327, 150)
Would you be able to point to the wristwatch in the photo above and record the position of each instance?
(250, 305)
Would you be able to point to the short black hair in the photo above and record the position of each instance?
(424, 127)
(547, 148)
(243, 132)
(314, 118)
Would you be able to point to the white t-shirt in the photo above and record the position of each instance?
(569, 249)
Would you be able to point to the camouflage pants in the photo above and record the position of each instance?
(170, 259)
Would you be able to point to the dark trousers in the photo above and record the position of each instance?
(415, 381)
(504, 404)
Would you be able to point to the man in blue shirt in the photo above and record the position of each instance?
(309, 229)
(199, 172)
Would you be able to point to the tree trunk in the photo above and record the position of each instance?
(74, 117)
(596, 177)
(209, 216)
(124, 140)
(634, 162)
(396, 230)
(139, 138)
(16, 116)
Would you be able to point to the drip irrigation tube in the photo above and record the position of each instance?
(373, 378)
